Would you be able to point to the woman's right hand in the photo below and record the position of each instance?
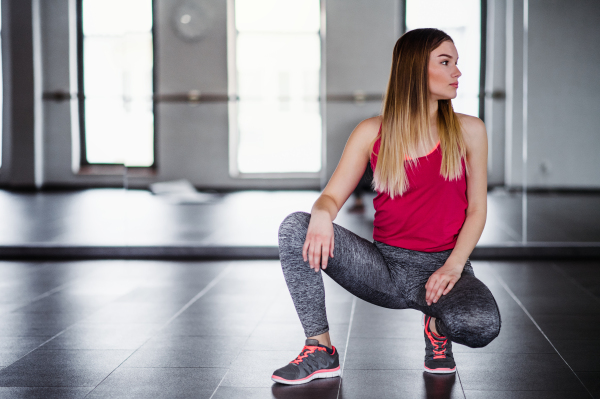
(319, 241)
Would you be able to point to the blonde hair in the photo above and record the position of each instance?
(405, 125)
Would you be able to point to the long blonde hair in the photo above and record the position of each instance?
(405, 125)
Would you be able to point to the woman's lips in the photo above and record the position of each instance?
(454, 84)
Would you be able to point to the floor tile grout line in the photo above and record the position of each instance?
(44, 295)
(347, 342)
(241, 350)
(43, 343)
(199, 295)
(514, 297)
(576, 283)
(460, 382)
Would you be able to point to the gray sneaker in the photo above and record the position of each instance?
(313, 362)
(438, 351)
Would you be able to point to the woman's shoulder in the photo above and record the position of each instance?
(473, 129)
(368, 129)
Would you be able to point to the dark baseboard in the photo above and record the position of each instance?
(530, 251)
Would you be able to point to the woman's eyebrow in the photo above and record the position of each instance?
(445, 55)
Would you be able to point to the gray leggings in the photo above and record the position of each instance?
(386, 276)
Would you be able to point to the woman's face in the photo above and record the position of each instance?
(443, 72)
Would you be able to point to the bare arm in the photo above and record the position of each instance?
(442, 281)
(319, 242)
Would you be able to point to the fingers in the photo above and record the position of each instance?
(305, 251)
(331, 246)
(324, 256)
(435, 292)
(438, 293)
(448, 288)
(437, 287)
(315, 252)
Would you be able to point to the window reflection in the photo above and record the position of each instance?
(117, 81)
(461, 19)
(278, 62)
(1, 91)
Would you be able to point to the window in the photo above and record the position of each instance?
(116, 82)
(275, 66)
(1, 90)
(461, 19)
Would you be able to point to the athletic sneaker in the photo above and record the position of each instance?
(313, 362)
(438, 351)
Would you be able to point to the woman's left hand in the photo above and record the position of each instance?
(441, 282)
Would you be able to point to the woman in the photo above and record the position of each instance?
(430, 172)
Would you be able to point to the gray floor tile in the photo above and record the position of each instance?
(581, 355)
(253, 369)
(223, 328)
(103, 336)
(144, 383)
(36, 324)
(495, 371)
(591, 382)
(385, 353)
(56, 368)
(469, 394)
(13, 348)
(168, 351)
(568, 327)
(398, 384)
(513, 339)
(44, 392)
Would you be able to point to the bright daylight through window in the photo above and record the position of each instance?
(117, 82)
(278, 63)
(461, 19)
(1, 92)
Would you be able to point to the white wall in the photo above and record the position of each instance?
(563, 122)
(360, 41)
(564, 93)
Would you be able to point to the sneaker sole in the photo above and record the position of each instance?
(440, 370)
(336, 372)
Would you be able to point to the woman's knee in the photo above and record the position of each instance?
(294, 226)
(292, 234)
(479, 330)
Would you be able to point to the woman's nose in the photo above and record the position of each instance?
(457, 73)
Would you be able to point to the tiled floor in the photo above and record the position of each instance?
(117, 217)
(157, 329)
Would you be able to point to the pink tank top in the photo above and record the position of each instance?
(429, 215)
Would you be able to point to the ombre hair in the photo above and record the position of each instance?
(405, 124)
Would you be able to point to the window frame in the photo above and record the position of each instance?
(108, 167)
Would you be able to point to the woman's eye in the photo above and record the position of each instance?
(444, 62)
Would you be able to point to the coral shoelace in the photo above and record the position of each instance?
(305, 352)
(440, 345)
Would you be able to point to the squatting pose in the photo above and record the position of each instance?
(430, 174)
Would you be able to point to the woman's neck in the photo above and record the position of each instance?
(433, 120)
(433, 112)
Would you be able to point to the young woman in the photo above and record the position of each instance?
(430, 173)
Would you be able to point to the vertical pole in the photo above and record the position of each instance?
(525, 67)
(323, 93)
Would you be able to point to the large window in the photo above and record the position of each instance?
(116, 82)
(461, 19)
(275, 70)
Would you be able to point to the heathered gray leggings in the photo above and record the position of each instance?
(386, 276)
